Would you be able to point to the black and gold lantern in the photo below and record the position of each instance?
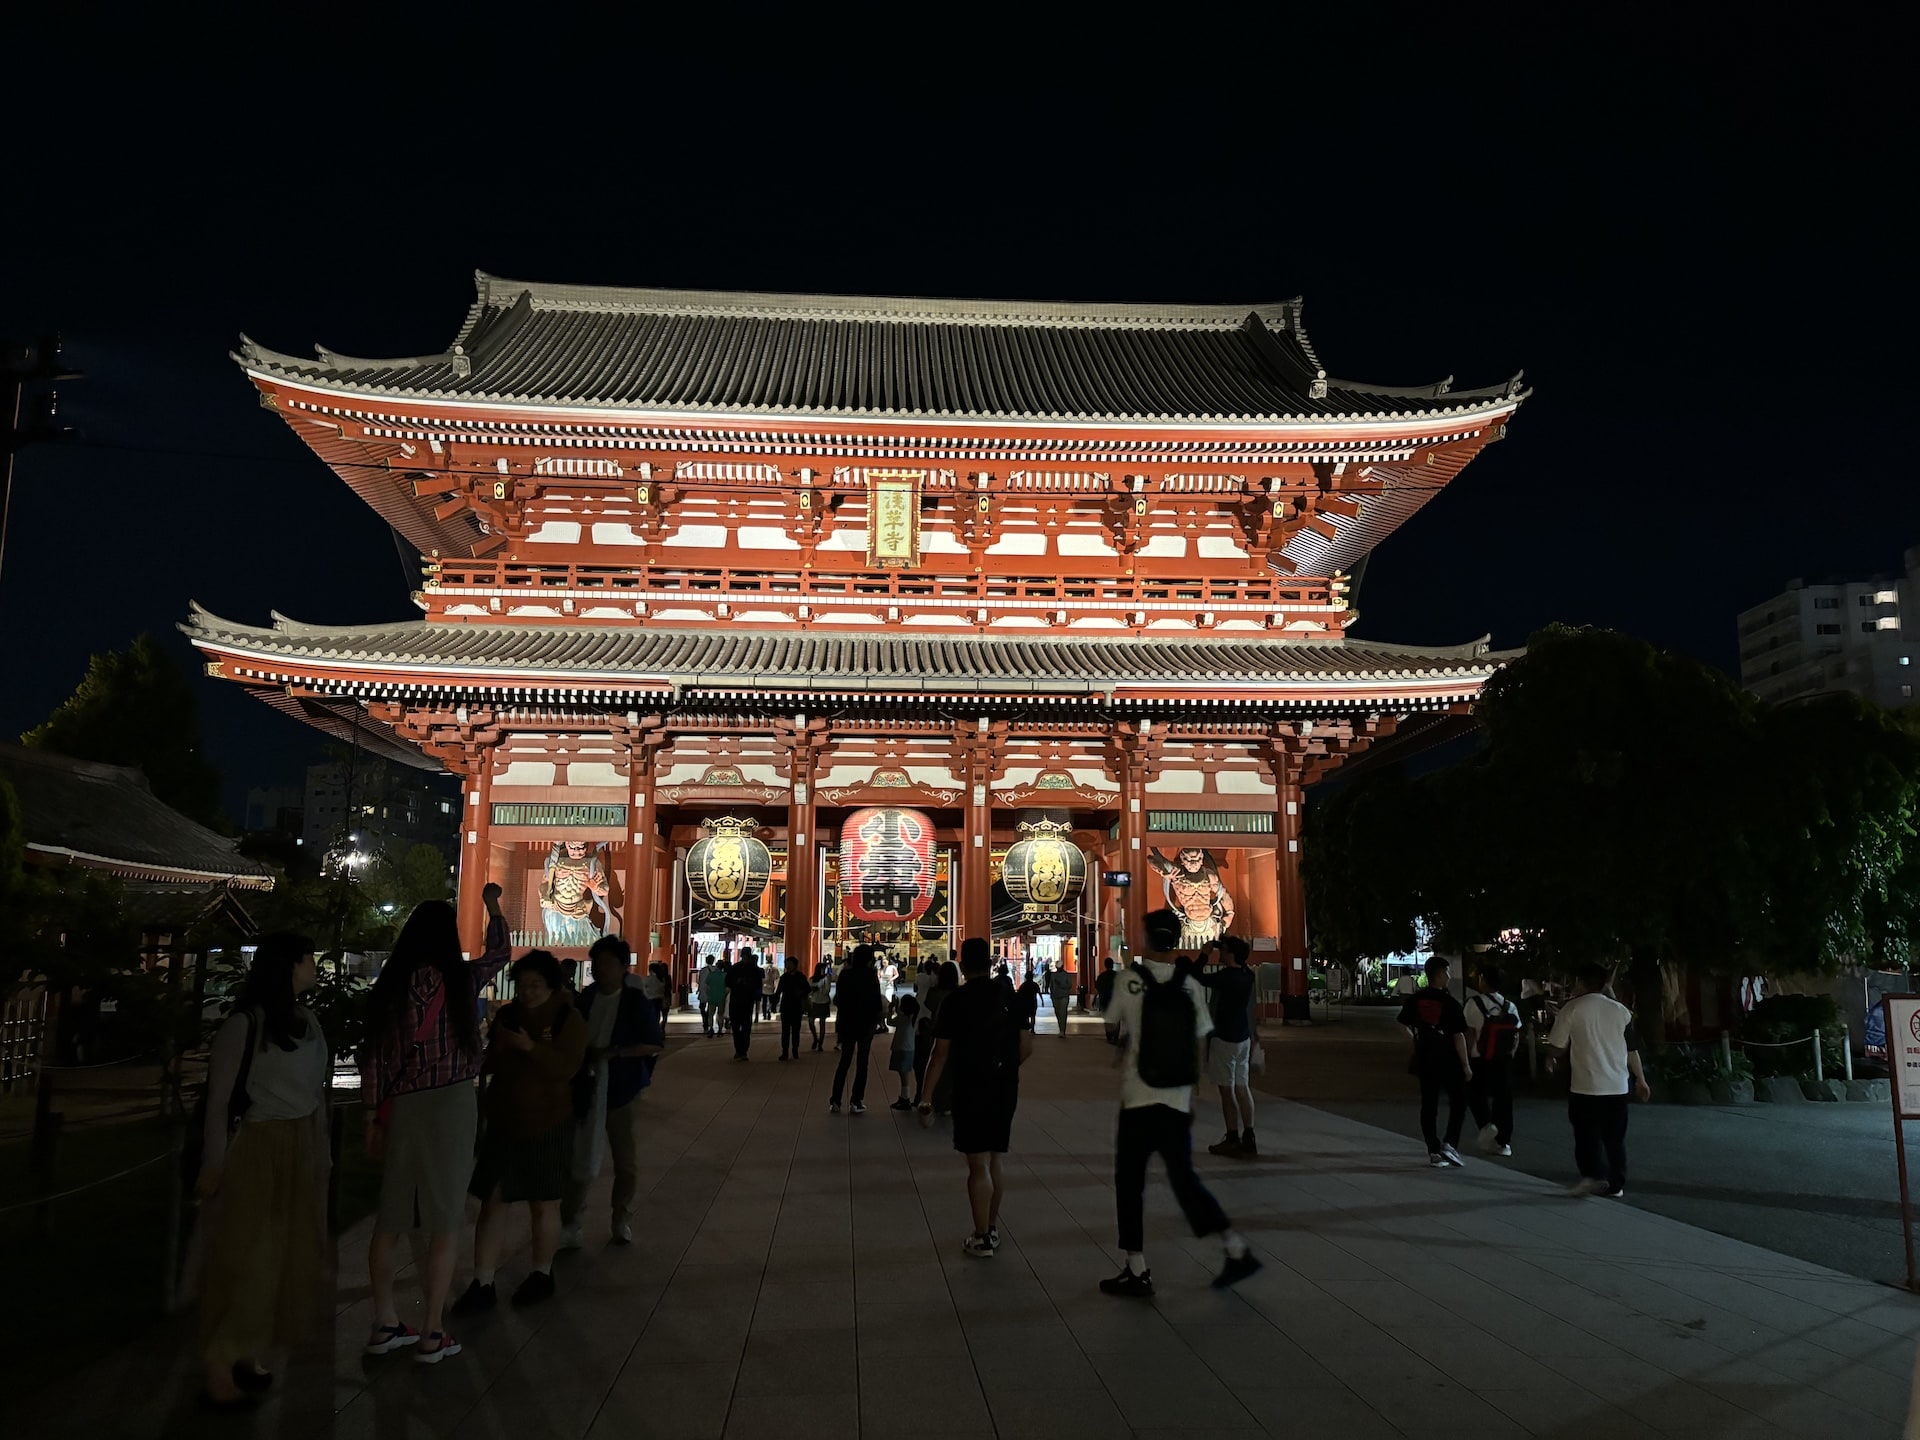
(728, 868)
(1044, 870)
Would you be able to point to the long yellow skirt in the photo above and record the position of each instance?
(266, 1245)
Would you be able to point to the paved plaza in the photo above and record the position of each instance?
(797, 1274)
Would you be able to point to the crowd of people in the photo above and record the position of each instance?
(563, 1069)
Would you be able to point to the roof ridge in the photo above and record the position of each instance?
(496, 292)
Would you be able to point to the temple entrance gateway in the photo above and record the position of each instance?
(1023, 594)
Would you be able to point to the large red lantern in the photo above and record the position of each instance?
(886, 864)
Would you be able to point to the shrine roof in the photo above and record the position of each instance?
(886, 663)
(106, 817)
(858, 357)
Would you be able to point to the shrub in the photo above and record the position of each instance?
(1779, 1020)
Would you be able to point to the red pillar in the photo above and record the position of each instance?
(476, 850)
(803, 941)
(1292, 894)
(636, 921)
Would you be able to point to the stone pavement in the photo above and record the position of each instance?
(799, 1274)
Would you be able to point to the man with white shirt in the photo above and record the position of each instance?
(1603, 1058)
(1159, 1017)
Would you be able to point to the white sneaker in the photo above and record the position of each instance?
(1488, 1135)
(570, 1237)
(1451, 1155)
(622, 1233)
(1501, 1150)
(1582, 1188)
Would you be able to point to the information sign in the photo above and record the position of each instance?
(1903, 1053)
(1116, 879)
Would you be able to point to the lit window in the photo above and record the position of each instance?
(1903, 660)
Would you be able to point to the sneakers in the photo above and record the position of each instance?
(536, 1287)
(1436, 1160)
(1249, 1147)
(901, 1105)
(1228, 1145)
(1619, 1194)
(1582, 1188)
(1237, 1268)
(993, 1236)
(622, 1233)
(833, 1107)
(1501, 1150)
(978, 1246)
(436, 1347)
(857, 1108)
(477, 1298)
(385, 1339)
(570, 1238)
(1450, 1155)
(1129, 1285)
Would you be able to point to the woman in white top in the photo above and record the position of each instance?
(263, 1174)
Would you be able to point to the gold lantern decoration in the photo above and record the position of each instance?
(728, 868)
(1044, 870)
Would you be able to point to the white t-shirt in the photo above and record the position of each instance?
(1596, 1033)
(1124, 1017)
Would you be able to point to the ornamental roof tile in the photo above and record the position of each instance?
(106, 817)
(700, 352)
(879, 663)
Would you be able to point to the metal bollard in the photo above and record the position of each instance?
(1819, 1064)
(1846, 1049)
(1726, 1051)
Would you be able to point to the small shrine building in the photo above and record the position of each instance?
(864, 593)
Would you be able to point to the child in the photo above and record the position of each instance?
(900, 1056)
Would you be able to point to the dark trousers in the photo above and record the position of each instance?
(1491, 1096)
(855, 1040)
(1146, 1131)
(1600, 1137)
(1434, 1082)
(741, 1014)
(790, 1031)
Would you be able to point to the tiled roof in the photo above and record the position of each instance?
(891, 662)
(683, 351)
(105, 816)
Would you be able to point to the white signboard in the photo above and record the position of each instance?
(1903, 1053)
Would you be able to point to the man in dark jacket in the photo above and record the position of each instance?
(624, 1034)
(793, 994)
(857, 998)
(744, 982)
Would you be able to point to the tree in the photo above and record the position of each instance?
(1838, 794)
(135, 707)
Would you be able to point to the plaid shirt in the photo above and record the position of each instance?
(412, 1058)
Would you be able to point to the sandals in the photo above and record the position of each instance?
(445, 1348)
(385, 1339)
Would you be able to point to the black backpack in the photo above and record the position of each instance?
(1499, 1029)
(996, 1054)
(1168, 1045)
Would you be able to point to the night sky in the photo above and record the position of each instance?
(1685, 238)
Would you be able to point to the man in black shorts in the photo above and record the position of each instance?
(978, 1034)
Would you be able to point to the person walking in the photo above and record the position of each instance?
(624, 1035)
(534, 1051)
(1060, 992)
(1230, 1048)
(946, 981)
(1439, 1029)
(745, 981)
(1103, 987)
(1160, 1018)
(979, 1046)
(1028, 998)
(1004, 978)
(417, 1068)
(769, 988)
(1596, 1034)
(262, 1183)
(1493, 1034)
(857, 999)
(716, 996)
(902, 1050)
(820, 1004)
(794, 995)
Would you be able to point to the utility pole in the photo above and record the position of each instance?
(28, 364)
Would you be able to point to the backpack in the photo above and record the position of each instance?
(1168, 1045)
(998, 1052)
(1499, 1030)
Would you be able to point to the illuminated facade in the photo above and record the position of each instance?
(786, 558)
